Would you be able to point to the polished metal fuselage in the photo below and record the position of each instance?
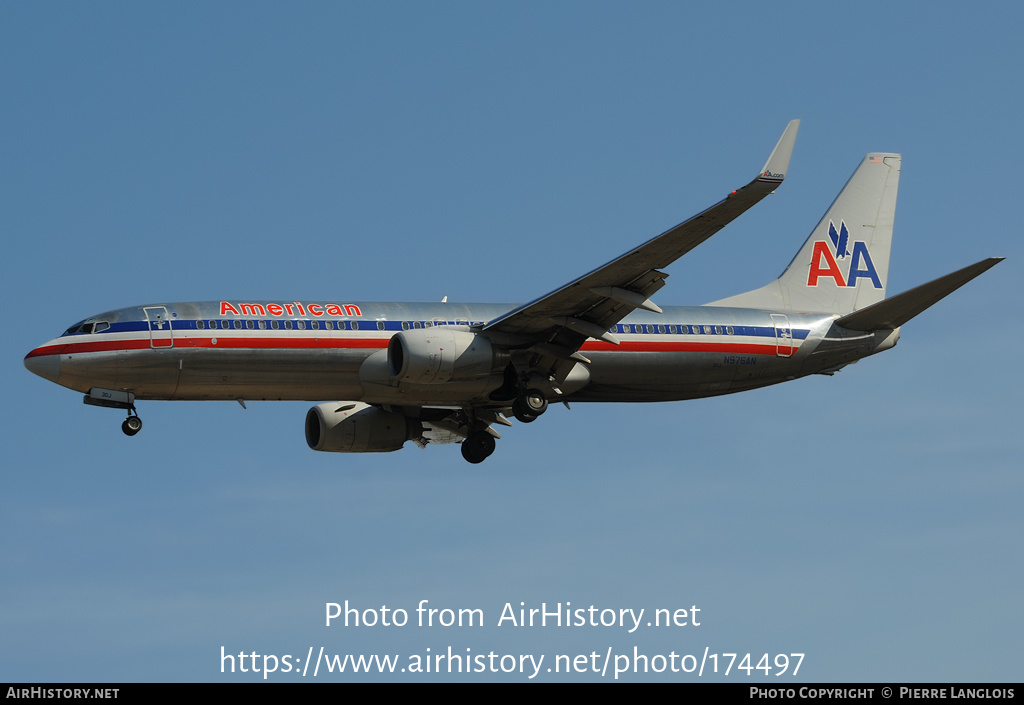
(297, 351)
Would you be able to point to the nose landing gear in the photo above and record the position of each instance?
(117, 399)
(132, 424)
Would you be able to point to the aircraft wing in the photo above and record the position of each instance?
(587, 307)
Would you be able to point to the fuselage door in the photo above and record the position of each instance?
(783, 335)
(160, 335)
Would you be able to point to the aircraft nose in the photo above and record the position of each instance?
(46, 366)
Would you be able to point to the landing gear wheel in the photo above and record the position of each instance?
(523, 417)
(529, 405)
(535, 401)
(131, 425)
(478, 446)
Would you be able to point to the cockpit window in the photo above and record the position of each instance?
(79, 328)
(86, 327)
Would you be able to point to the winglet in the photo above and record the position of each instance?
(774, 170)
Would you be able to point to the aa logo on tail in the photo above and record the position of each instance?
(825, 265)
(840, 239)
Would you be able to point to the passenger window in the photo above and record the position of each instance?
(262, 325)
(405, 325)
(355, 325)
(274, 325)
(315, 325)
(301, 325)
(728, 329)
(238, 325)
(380, 325)
(718, 330)
(200, 325)
(250, 325)
(417, 324)
(288, 325)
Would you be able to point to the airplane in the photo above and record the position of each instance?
(449, 372)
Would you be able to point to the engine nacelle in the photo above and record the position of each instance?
(441, 354)
(355, 427)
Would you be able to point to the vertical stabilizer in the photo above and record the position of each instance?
(844, 264)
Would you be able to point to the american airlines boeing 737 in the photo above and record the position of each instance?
(449, 373)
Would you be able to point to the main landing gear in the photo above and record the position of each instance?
(526, 407)
(529, 405)
(478, 446)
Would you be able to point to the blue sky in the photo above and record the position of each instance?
(491, 152)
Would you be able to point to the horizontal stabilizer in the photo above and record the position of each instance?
(894, 312)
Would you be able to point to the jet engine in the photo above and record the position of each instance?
(355, 427)
(441, 354)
